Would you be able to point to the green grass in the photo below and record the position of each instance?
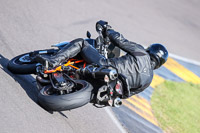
(177, 107)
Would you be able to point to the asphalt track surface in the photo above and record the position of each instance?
(31, 25)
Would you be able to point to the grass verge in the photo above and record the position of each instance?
(177, 107)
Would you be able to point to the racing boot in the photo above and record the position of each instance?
(69, 51)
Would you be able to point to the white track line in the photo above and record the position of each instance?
(115, 120)
(184, 59)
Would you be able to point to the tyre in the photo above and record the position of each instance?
(55, 102)
(22, 64)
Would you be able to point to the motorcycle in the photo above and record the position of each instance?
(62, 88)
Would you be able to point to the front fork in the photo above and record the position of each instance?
(111, 91)
(107, 96)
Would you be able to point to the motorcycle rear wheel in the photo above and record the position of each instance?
(55, 102)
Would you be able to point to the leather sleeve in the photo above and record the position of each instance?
(130, 47)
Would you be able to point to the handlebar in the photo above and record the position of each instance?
(102, 43)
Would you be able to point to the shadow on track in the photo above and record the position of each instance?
(27, 82)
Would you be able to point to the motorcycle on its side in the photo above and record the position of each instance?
(61, 88)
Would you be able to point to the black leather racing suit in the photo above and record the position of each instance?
(135, 65)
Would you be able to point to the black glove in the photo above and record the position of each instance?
(102, 26)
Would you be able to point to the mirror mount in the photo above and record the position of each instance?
(88, 34)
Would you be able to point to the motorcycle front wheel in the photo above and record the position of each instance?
(25, 63)
(56, 102)
(22, 64)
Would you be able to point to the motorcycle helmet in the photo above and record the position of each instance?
(158, 54)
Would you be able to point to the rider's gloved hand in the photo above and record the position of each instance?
(102, 26)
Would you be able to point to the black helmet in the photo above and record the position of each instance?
(159, 53)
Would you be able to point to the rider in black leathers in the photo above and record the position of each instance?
(137, 65)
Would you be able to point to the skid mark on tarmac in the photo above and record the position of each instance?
(140, 104)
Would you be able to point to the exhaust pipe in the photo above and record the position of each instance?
(41, 80)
